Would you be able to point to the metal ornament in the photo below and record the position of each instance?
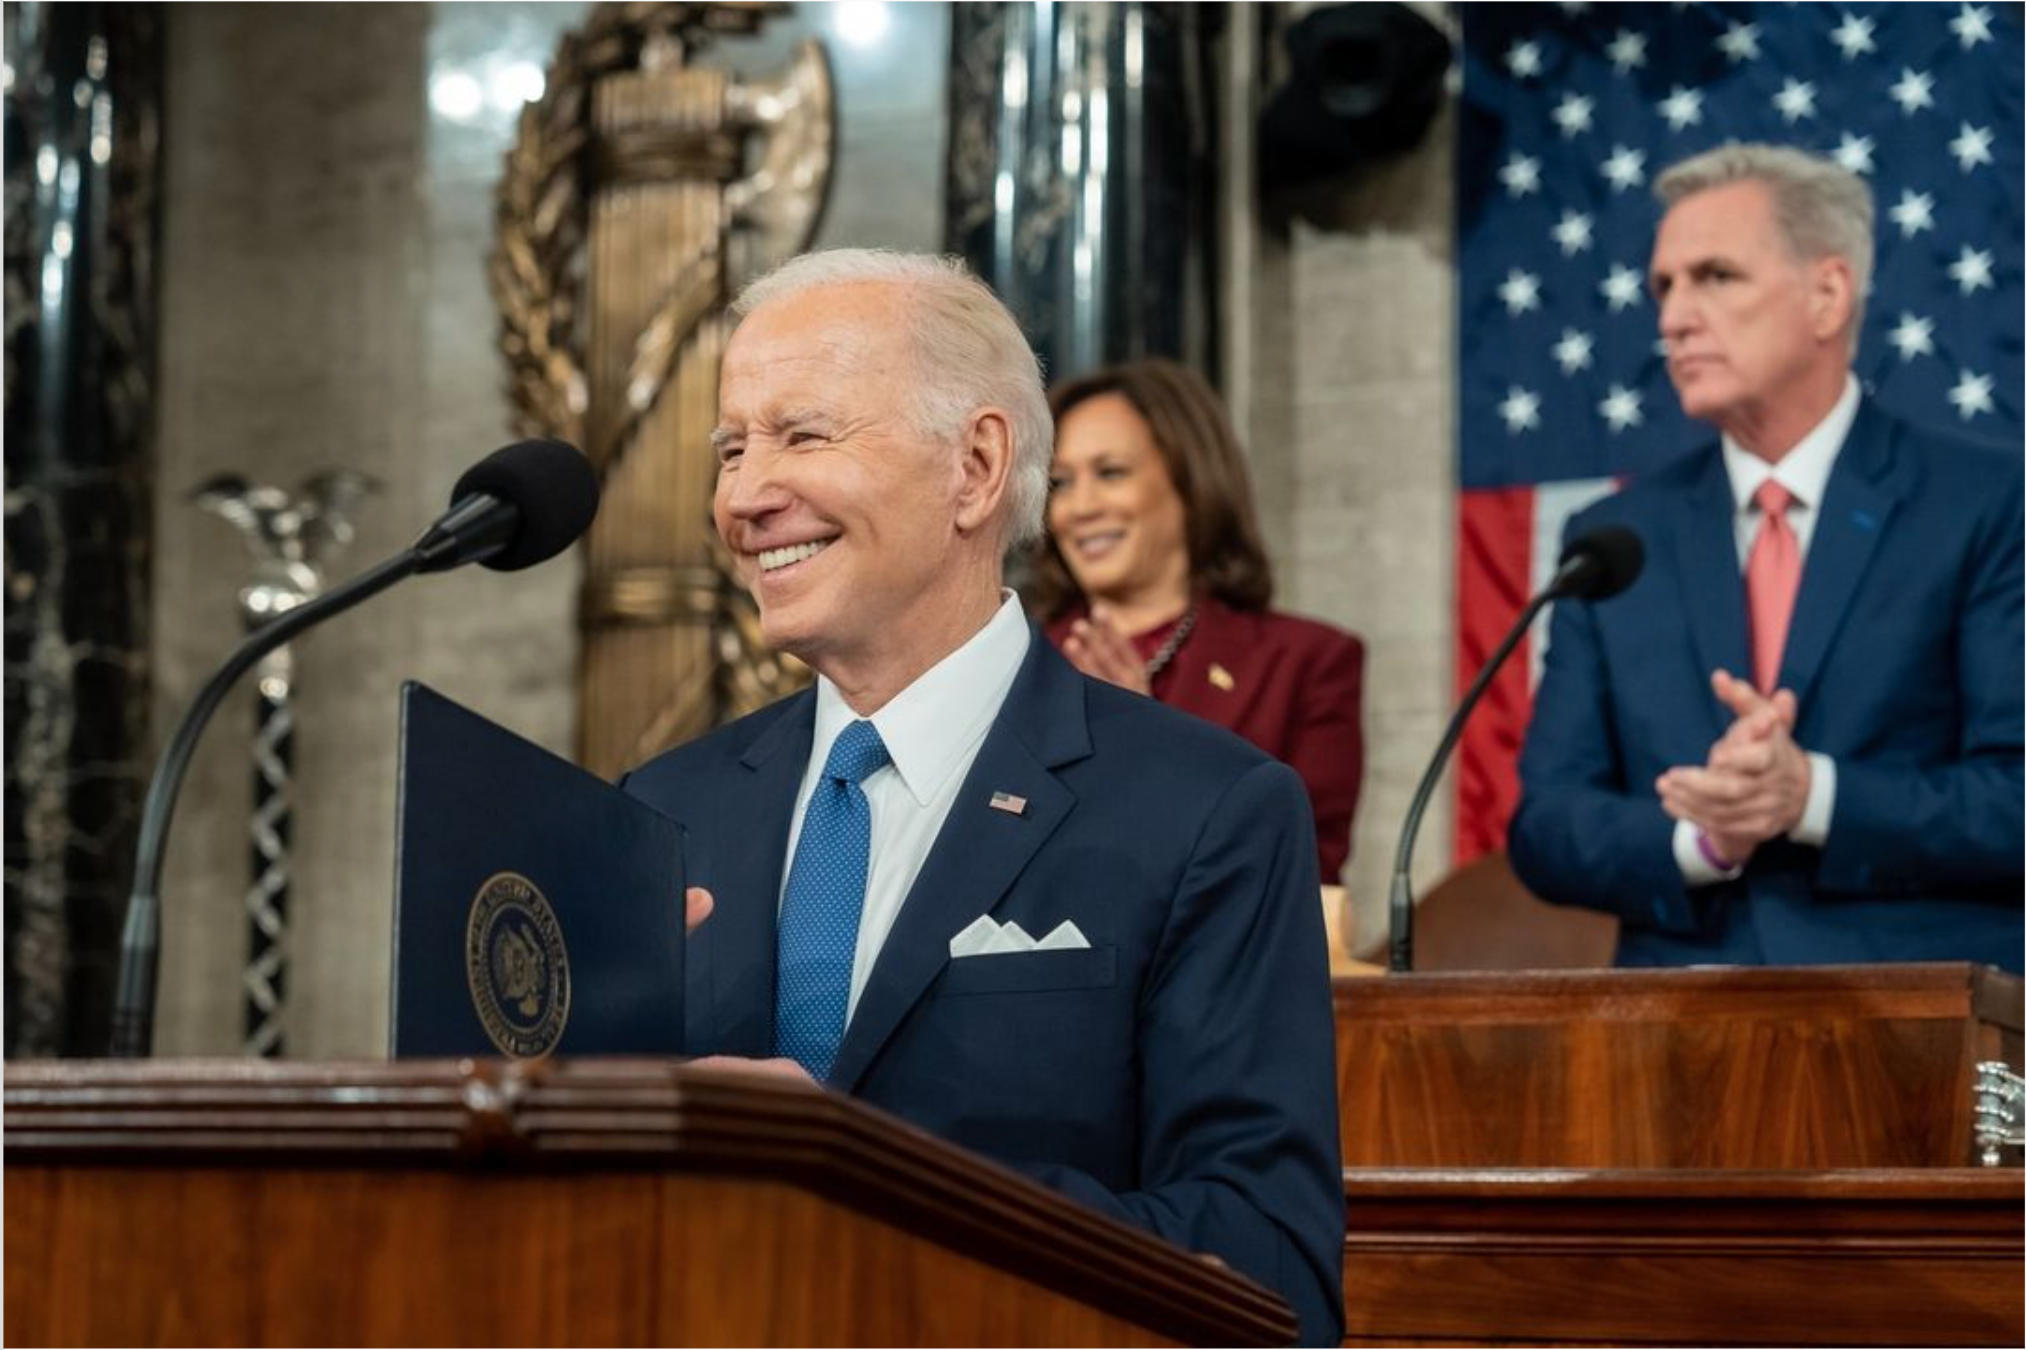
(625, 221)
(2000, 1102)
(291, 537)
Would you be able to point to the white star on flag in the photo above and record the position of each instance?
(1627, 51)
(1572, 353)
(1521, 410)
(1620, 408)
(1915, 212)
(1620, 288)
(1572, 114)
(1524, 60)
(1913, 336)
(1853, 36)
(1520, 292)
(1915, 90)
(1521, 175)
(1971, 147)
(1795, 100)
(1740, 42)
(1626, 168)
(1971, 395)
(1682, 108)
(1971, 269)
(1572, 232)
(1853, 152)
(1971, 26)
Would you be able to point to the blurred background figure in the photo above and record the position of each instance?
(1154, 577)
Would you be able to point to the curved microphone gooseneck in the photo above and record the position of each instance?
(1594, 567)
(520, 505)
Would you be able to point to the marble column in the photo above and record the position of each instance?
(82, 136)
(1079, 183)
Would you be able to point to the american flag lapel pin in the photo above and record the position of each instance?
(1010, 804)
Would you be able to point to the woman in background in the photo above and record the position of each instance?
(1153, 577)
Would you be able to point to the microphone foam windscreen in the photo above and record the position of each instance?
(552, 485)
(1612, 557)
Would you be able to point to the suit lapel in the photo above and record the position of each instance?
(1706, 567)
(980, 851)
(751, 849)
(1862, 492)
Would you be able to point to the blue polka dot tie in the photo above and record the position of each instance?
(819, 912)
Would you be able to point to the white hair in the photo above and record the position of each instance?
(969, 354)
(1823, 209)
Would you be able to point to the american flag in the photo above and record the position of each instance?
(1568, 113)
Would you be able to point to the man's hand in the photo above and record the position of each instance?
(1096, 647)
(786, 1069)
(696, 907)
(1755, 785)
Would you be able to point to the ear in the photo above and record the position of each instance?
(984, 470)
(1832, 297)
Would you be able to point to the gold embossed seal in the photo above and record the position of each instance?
(517, 966)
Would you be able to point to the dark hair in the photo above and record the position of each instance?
(1196, 441)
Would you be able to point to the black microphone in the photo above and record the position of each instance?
(1595, 566)
(516, 507)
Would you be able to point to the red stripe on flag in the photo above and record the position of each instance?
(1494, 543)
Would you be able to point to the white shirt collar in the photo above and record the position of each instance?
(1804, 470)
(930, 726)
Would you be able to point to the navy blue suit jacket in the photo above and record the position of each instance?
(1180, 1074)
(1905, 654)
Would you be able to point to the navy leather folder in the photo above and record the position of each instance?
(537, 908)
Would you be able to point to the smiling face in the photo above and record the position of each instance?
(1756, 338)
(1113, 510)
(870, 548)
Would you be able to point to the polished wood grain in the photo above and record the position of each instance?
(441, 1203)
(1809, 1068)
(1729, 1257)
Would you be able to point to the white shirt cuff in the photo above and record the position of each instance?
(1814, 827)
(1696, 870)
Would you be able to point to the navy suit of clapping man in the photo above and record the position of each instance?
(1044, 918)
(1796, 739)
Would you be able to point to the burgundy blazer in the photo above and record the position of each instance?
(1294, 687)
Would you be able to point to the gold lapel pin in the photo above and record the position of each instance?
(1222, 678)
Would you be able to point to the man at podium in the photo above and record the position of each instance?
(1039, 916)
(1796, 738)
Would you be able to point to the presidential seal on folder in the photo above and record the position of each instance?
(537, 909)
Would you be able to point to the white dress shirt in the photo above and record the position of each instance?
(933, 729)
(1804, 472)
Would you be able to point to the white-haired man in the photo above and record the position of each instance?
(1047, 919)
(1798, 737)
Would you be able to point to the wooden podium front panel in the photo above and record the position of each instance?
(587, 1203)
(1917, 1257)
(1810, 1068)
(337, 1257)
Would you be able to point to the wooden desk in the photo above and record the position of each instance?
(1767, 1157)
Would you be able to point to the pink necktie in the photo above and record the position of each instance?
(1772, 575)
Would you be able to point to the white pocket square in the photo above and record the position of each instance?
(985, 937)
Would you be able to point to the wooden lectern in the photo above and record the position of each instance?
(587, 1203)
(1678, 1157)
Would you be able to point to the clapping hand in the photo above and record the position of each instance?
(1096, 647)
(1754, 786)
